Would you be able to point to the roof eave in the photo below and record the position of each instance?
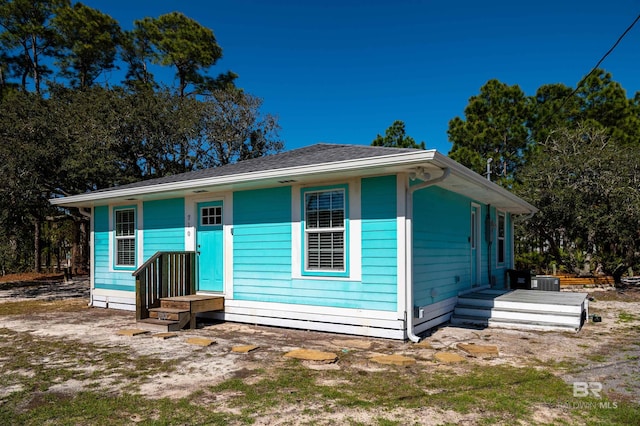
(402, 159)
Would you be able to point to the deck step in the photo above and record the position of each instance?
(467, 320)
(483, 310)
(170, 314)
(159, 325)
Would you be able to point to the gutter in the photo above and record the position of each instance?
(409, 250)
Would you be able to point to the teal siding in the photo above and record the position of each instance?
(103, 276)
(379, 242)
(441, 247)
(163, 226)
(262, 242)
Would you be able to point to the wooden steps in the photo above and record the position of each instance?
(175, 313)
(522, 309)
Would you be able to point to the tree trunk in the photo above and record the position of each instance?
(36, 246)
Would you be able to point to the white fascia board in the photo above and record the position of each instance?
(402, 159)
(478, 180)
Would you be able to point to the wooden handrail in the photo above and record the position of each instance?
(165, 274)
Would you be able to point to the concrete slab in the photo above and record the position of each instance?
(244, 349)
(200, 341)
(448, 357)
(479, 350)
(131, 332)
(312, 355)
(394, 359)
(164, 336)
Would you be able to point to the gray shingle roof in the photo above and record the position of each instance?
(321, 153)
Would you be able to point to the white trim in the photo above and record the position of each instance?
(351, 167)
(355, 232)
(478, 240)
(405, 158)
(111, 208)
(396, 333)
(191, 222)
(92, 256)
(512, 239)
(286, 308)
(114, 299)
(227, 227)
(401, 236)
(140, 234)
(503, 264)
(435, 314)
(307, 317)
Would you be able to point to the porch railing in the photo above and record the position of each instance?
(165, 274)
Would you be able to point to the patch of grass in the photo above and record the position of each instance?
(596, 357)
(624, 317)
(100, 409)
(54, 361)
(40, 306)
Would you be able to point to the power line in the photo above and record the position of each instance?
(597, 65)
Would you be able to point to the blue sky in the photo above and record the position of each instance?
(343, 71)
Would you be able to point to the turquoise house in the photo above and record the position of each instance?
(349, 239)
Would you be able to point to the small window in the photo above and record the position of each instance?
(125, 224)
(324, 215)
(502, 223)
(211, 216)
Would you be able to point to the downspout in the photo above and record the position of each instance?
(87, 214)
(409, 250)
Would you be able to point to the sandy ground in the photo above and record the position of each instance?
(198, 367)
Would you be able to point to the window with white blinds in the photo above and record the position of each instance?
(125, 224)
(324, 215)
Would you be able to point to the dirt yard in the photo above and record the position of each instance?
(607, 352)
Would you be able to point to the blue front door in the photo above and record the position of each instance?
(209, 241)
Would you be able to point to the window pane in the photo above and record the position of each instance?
(126, 251)
(125, 222)
(325, 250)
(211, 215)
(324, 212)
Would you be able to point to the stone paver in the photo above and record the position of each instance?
(244, 349)
(449, 357)
(423, 344)
(131, 332)
(200, 341)
(312, 355)
(394, 359)
(163, 336)
(479, 350)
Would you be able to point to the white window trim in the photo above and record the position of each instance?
(327, 230)
(129, 237)
(139, 236)
(478, 240)
(354, 230)
(504, 239)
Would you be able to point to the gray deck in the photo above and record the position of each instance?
(530, 296)
(522, 309)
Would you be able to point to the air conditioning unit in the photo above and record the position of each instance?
(545, 283)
